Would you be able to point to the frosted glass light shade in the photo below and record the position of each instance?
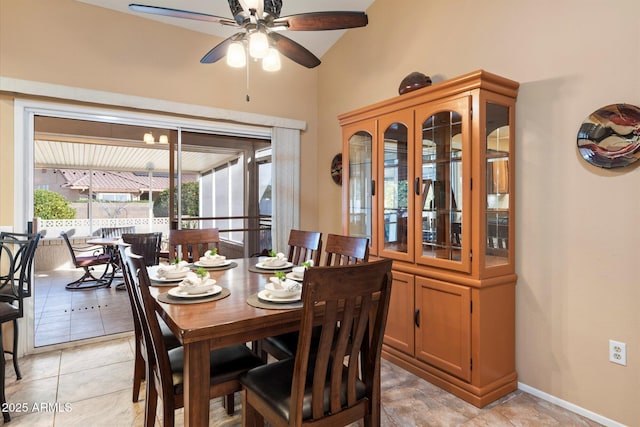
(236, 56)
(148, 138)
(271, 62)
(164, 139)
(258, 45)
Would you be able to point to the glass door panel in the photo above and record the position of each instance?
(395, 148)
(442, 190)
(440, 186)
(498, 185)
(360, 184)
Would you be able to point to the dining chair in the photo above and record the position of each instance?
(340, 250)
(13, 285)
(13, 280)
(25, 261)
(340, 383)
(165, 375)
(91, 278)
(145, 244)
(193, 243)
(304, 246)
(140, 368)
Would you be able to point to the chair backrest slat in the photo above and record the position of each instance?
(128, 280)
(304, 246)
(193, 243)
(24, 257)
(353, 301)
(116, 232)
(13, 276)
(145, 244)
(343, 250)
(65, 237)
(154, 342)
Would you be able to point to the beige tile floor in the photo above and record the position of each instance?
(90, 385)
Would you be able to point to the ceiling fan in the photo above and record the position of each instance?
(261, 25)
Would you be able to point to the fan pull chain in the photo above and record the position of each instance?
(248, 98)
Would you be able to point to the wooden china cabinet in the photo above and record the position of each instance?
(429, 178)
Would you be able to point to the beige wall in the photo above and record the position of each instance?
(69, 43)
(578, 237)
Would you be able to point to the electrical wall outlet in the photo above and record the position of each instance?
(618, 352)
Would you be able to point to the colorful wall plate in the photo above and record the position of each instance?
(610, 136)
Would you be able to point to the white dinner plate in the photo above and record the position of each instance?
(223, 264)
(266, 296)
(153, 275)
(177, 292)
(268, 267)
(292, 276)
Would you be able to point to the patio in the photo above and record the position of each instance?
(62, 316)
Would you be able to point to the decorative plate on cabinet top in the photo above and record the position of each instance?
(610, 136)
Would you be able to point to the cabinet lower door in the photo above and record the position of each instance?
(443, 333)
(399, 332)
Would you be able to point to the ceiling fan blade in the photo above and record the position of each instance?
(294, 51)
(185, 14)
(315, 21)
(220, 50)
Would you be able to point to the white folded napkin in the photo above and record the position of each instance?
(275, 261)
(209, 259)
(286, 284)
(192, 279)
(172, 269)
(195, 284)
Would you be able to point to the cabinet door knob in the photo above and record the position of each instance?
(416, 186)
(416, 318)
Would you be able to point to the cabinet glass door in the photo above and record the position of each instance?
(440, 186)
(360, 155)
(394, 151)
(498, 184)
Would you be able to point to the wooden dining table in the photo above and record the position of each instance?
(205, 326)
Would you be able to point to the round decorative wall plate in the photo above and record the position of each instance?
(610, 136)
(336, 169)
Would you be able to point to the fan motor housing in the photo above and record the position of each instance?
(272, 7)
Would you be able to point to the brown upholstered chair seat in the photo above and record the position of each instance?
(284, 346)
(226, 364)
(272, 383)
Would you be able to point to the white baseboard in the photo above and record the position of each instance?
(569, 406)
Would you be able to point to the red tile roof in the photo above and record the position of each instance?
(116, 182)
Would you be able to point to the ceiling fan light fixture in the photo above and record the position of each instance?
(271, 62)
(164, 139)
(258, 44)
(236, 56)
(148, 138)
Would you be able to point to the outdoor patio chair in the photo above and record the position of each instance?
(92, 277)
